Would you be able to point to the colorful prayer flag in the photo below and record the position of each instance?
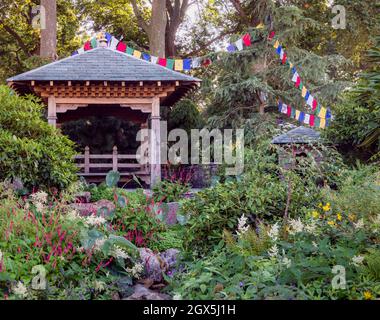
(178, 65)
(312, 120)
(80, 50)
(247, 39)
(231, 48)
(137, 54)
(298, 114)
(94, 43)
(87, 46)
(162, 62)
(170, 63)
(196, 62)
(239, 44)
(307, 119)
(113, 43)
(315, 104)
(121, 46)
(187, 64)
(154, 59)
(271, 35)
(304, 91)
(130, 51)
(276, 45)
(301, 116)
(146, 56)
(322, 123)
(322, 113)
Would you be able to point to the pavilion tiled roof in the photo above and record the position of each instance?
(298, 135)
(102, 64)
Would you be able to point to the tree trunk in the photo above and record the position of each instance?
(48, 47)
(157, 28)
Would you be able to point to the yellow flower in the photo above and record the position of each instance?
(331, 223)
(368, 295)
(320, 205)
(315, 214)
(352, 217)
(326, 207)
(339, 217)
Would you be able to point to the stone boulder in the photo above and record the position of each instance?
(143, 293)
(88, 209)
(157, 264)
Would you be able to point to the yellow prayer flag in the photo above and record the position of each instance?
(260, 26)
(291, 65)
(137, 54)
(322, 123)
(322, 113)
(277, 44)
(298, 114)
(178, 65)
(304, 91)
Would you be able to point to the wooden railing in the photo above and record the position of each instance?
(98, 165)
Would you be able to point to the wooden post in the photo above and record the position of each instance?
(143, 152)
(114, 159)
(155, 144)
(52, 111)
(86, 159)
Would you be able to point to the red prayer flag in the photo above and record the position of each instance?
(311, 122)
(289, 111)
(247, 39)
(284, 58)
(206, 62)
(87, 46)
(162, 62)
(315, 104)
(271, 35)
(298, 82)
(121, 46)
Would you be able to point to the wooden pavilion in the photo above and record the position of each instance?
(105, 82)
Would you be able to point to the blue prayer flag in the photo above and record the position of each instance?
(146, 56)
(186, 64)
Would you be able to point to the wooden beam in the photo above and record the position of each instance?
(99, 100)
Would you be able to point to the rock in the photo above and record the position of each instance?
(142, 293)
(83, 197)
(157, 264)
(170, 257)
(171, 217)
(87, 209)
(152, 264)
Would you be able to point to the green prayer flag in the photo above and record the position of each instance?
(94, 43)
(317, 122)
(170, 63)
(293, 114)
(130, 51)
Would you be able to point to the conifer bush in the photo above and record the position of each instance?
(30, 149)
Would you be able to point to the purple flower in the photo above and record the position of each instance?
(241, 284)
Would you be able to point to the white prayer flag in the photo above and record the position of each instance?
(307, 119)
(239, 44)
(295, 77)
(196, 62)
(154, 59)
(310, 100)
(81, 50)
(284, 108)
(113, 43)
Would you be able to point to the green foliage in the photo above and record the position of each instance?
(31, 149)
(261, 192)
(356, 122)
(185, 115)
(296, 264)
(167, 191)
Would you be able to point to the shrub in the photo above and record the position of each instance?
(290, 261)
(260, 193)
(31, 149)
(168, 191)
